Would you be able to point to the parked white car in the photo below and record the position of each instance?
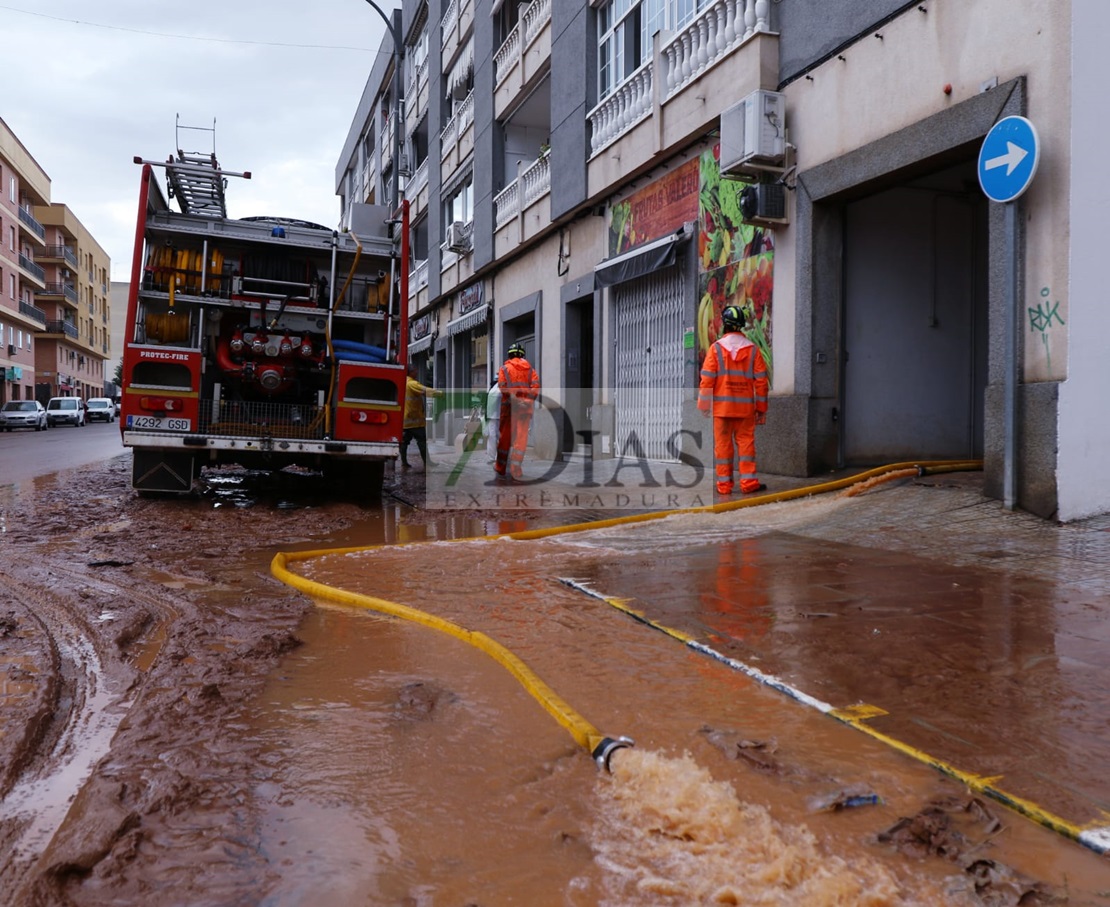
(23, 414)
(100, 409)
(69, 410)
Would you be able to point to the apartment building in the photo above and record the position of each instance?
(23, 186)
(596, 179)
(55, 314)
(74, 348)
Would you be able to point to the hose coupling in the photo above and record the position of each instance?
(603, 752)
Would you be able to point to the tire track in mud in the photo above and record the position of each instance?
(138, 632)
(73, 704)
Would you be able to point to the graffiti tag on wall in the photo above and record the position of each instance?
(1041, 319)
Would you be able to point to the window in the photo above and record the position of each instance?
(11, 189)
(626, 29)
(458, 205)
(417, 53)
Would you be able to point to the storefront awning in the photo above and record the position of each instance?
(659, 253)
(419, 346)
(469, 321)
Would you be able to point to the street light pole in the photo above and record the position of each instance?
(398, 56)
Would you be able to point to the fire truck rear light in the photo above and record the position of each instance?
(368, 417)
(160, 404)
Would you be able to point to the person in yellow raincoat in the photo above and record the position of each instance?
(734, 388)
(415, 416)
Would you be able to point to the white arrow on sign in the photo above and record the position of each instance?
(1014, 155)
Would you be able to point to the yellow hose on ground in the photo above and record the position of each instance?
(584, 733)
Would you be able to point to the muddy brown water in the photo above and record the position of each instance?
(281, 752)
(434, 778)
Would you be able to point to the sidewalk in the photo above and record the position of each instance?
(971, 635)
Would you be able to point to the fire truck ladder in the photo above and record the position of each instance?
(197, 184)
(196, 180)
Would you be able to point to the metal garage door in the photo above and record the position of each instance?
(649, 363)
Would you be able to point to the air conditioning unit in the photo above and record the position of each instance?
(764, 203)
(11, 349)
(753, 135)
(458, 236)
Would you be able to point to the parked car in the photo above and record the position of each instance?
(100, 409)
(61, 410)
(23, 414)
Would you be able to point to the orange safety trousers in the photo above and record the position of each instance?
(512, 436)
(734, 438)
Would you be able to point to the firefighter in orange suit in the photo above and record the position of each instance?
(520, 386)
(734, 387)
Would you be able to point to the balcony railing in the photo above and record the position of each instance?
(458, 124)
(28, 219)
(720, 28)
(419, 180)
(32, 312)
(419, 77)
(57, 288)
(450, 20)
(532, 183)
(30, 267)
(63, 252)
(536, 16)
(62, 327)
(387, 141)
(419, 277)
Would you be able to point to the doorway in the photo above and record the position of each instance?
(914, 327)
(578, 373)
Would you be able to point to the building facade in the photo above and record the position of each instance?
(55, 314)
(72, 353)
(25, 186)
(596, 180)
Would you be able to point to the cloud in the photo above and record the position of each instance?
(278, 81)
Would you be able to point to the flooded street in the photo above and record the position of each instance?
(273, 748)
(722, 791)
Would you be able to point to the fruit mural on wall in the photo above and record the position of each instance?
(735, 262)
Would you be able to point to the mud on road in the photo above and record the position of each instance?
(136, 636)
(133, 635)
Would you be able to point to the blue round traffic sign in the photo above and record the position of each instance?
(1008, 159)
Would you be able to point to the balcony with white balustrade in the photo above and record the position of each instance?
(523, 58)
(726, 52)
(456, 139)
(523, 208)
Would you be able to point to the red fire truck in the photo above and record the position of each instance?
(260, 341)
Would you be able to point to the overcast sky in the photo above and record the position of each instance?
(91, 85)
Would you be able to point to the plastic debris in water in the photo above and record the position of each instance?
(844, 800)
